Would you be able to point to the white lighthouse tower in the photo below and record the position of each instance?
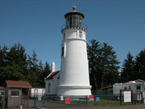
(74, 74)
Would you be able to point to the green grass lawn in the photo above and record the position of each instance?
(110, 103)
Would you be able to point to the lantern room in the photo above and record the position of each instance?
(74, 19)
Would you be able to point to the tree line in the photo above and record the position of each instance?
(15, 64)
(104, 66)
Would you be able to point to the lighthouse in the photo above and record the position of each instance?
(74, 73)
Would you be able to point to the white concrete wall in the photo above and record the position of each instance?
(74, 78)
(54, 84)
(74, 33)
(117, 87)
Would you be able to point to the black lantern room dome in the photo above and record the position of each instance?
(74, 19)
(74, 12)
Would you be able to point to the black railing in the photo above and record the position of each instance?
(83, 26)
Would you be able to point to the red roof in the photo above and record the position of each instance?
(106, 87)
(2, 88)
(52, 75)
(22, 84)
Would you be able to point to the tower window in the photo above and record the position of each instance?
(62, 51)
(80, 34)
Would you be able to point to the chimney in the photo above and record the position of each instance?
(53, 67)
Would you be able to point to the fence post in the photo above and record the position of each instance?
(43, 102)
(86, 100)
(94, 99)
(35, 101)
(3, 102)
(3, 105)
(70, 100)
(27, 98)
(22, 99)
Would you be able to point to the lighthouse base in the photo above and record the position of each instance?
(74, 90)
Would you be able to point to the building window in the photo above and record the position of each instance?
(129, 87)
(63, 35)
(80, 34)
(14, 92)
(125, 88)
(138, 87)
(62, 51)
(49, 87)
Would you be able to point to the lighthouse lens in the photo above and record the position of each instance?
(74, 21)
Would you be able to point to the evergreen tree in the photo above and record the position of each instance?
(103, 64)
(3, 52)
(109, 65)
(93, 57)
(44, 74)
(140, 65)
(34, 59)
(33, 70)
(128, 73)
(47, 70)
(14, 63)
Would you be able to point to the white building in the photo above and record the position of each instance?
(37, 91)
(73, 78)
(138, 86)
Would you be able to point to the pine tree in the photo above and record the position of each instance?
(103, 64)
(128, 73)
(3, 51)
(44, 74)
(14, 65)
(140, 65)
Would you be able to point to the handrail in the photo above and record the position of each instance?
(83, 26)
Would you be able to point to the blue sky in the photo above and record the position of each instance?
(36, 24)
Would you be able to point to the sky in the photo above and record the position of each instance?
(36, 24)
